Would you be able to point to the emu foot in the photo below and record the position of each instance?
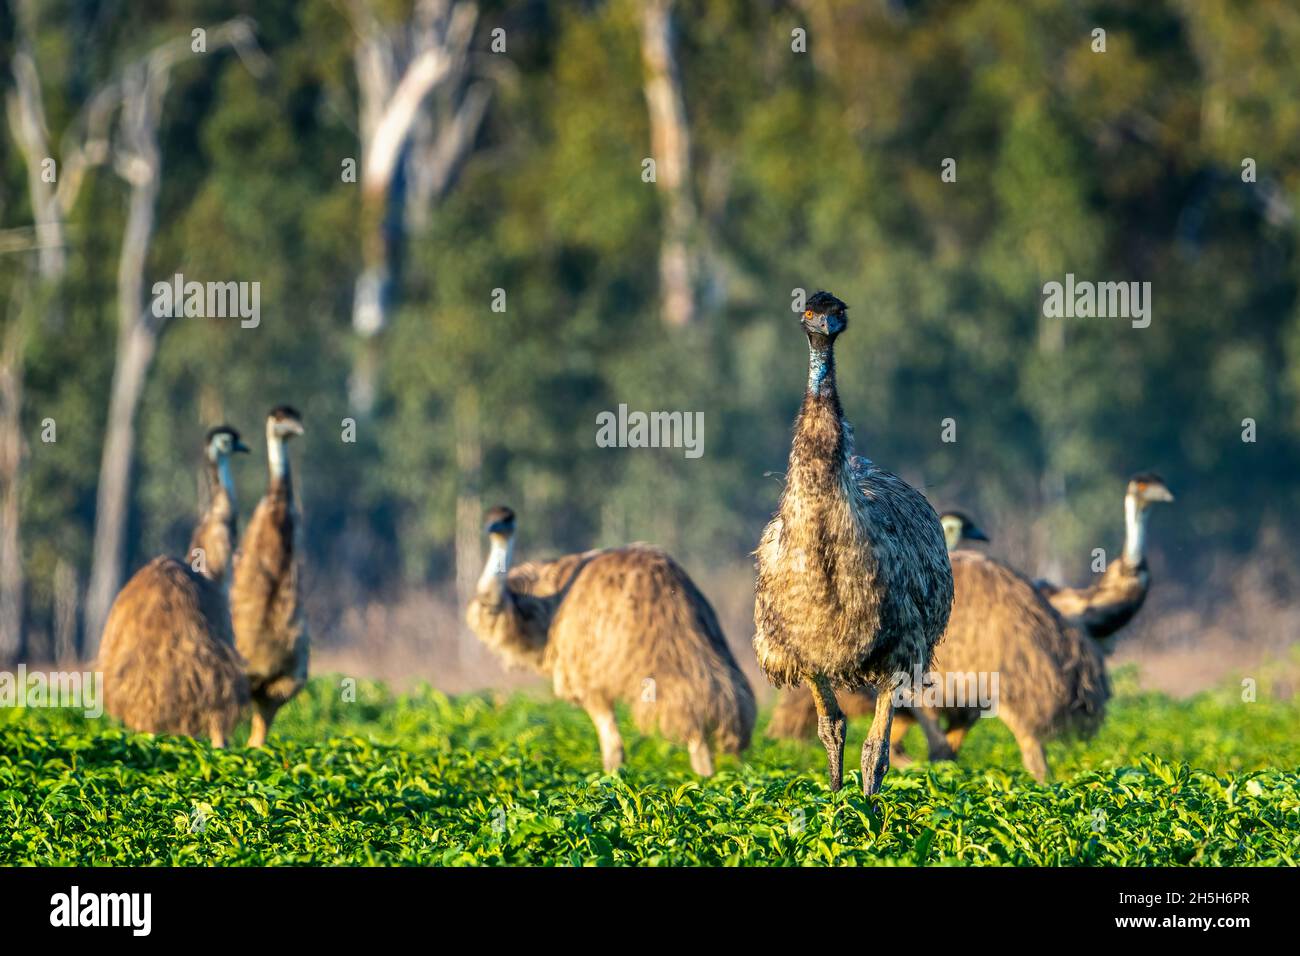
(830, 730)
(875, 761)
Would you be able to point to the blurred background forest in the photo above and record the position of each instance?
(381, 167)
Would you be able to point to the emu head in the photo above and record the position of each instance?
(283, 422)
(958, 527)
(499, 522)
(221, 442)
(823, 317)
(1147, 488)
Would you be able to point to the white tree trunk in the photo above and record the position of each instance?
(11, 455)
(469, 512)
(398, 69)
(670, 144)
(134, 356)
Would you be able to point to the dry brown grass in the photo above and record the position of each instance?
(1187, 638)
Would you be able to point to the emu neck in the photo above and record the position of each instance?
(820, 450)
(821, 366)
(222, 489)
(277, 458)
(492, 582)
(214, 537)
(1135, 532)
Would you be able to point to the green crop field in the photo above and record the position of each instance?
(424, 779)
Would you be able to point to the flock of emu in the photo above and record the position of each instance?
(859, 582)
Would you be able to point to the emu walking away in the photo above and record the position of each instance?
(167, 651)
(853, 587)
(265, 598)
(622, 624)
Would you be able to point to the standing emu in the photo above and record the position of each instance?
(1102, 609)
(1050, 677)
(265, 599)
(795, 715)
(619, 624)
(167, 652)
(854, 586)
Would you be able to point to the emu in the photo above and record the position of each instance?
(853, 582)
(1051, 678)
(621, 624)
(794, 716)
(265, 598)
(167, 652)
(1105, 607)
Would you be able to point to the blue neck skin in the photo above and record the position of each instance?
(821, 367)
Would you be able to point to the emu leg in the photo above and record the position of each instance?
(875, 749)
(701, 759)
(1031, 752)
(830, 727)
(899, 756)
(216, 733)
(1031, 748)
(264, 712)
(934, 738)
(611, 744)
(955, 735)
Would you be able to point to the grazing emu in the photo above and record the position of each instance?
(167, 652)
(265, 598)
(619, 624)
(854, 586)
(1050, 678)
(1102, 609)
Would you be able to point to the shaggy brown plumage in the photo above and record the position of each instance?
(265, 598)
(167, 652)
(622, 624)
(1106, 606)
(853, 585)
(1051, 678)
(168, 656)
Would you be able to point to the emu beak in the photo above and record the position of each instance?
(975, 534)
(824, 324)
(240, 446)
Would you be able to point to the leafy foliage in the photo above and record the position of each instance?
(424, 779)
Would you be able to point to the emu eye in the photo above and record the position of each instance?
(808, 314)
